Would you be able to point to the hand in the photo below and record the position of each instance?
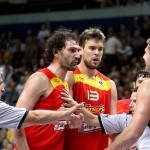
(67, 113)
(75, 121)
(68, 99)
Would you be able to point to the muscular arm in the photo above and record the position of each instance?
(113, 106)
(40, 117)
(35, 87)
(113, 98)
(139, 121)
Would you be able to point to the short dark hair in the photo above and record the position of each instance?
(141, 73)
(57, 42)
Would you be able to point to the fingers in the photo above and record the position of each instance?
(66, 105)
(65, 93)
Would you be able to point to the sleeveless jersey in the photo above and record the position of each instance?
(96, 95)
(46, 137)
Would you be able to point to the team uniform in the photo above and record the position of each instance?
(96, 95)
(11, 117)
(45, 137)
(116, 124)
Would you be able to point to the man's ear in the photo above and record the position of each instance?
(55, 52)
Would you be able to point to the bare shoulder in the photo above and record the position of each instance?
(112, 83)
(38, 76)
(38, 79)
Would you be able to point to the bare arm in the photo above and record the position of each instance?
(28, 99)
(40, 117)
(113, 106)
(113, 98)
(139, 121)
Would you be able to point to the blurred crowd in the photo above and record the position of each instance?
(123, 49)
(114, 3)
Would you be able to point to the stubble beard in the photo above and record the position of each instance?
(90, 66)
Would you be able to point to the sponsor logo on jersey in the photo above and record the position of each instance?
(59, 127)
(87, 128)
(95, 109)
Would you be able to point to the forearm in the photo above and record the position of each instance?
(90, 118)
(40, 117)
(20, 139)
(124, 141)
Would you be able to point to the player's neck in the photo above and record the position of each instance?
(89, 73)
(56, 69)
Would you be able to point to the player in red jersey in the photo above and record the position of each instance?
(88, 85)
(42, 91)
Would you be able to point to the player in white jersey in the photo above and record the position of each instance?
(12, 117)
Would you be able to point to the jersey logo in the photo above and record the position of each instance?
(100, 83)
(59, 127)
(93, 95)
(87, 128)
(95, 109)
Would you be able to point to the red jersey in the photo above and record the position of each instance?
(123, 106)
(46, 137)
(96, 95)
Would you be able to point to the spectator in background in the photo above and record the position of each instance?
(42, 36)
(111, 46)
(138, 43)
(18, 54)
(31, 50)
(124, 52)
(124, 33)
(20, 84)
(145, 29)
(11, 95)
(8, 71)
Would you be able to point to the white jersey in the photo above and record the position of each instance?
(116, 124)
(11, 117)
